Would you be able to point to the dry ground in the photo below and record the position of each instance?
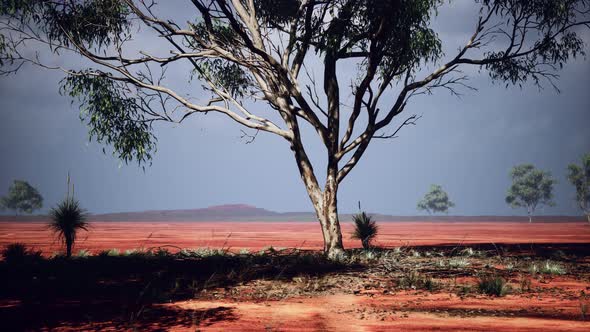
(304, 235)
(422, 287)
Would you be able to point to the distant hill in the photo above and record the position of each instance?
(243, 212)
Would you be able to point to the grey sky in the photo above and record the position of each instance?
(466, 144)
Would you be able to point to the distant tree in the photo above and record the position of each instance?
(256, 62)
(67, 219)
(530, 188)
(22, 197)
(579, 176)
(365, 229)
(436, 200)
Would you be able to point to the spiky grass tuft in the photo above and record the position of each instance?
(365, 229)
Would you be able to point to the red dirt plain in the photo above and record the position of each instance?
(554, 304)
(303, 235)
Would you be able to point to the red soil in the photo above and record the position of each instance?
(371, 310)
(305, 235)
(405, 311)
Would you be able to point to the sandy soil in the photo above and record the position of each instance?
(409, 311)
(305, 235)
(351, 301)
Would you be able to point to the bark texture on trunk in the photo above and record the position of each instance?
(327, 212)
(324, 202)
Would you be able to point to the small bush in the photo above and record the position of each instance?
(109, 253)
(550, 267)
(469, 252)
(430, 285)
(83, 253)
(458, 263)
(492, 285)
(415, 280)
(161, 252)
(244, 251)
(15, 253)
(365, 229)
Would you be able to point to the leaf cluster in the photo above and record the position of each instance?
(530, 187)
(22, 197)
(435, 200)
(579, 176)
(112, 117)
(365, 228)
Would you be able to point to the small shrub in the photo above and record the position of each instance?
(410, 280)
(15, 253)
(161, 252)
(510, 267)
(464, 290)
(458, 263)
(550, 267)
(109, 253)
(415, 280)
(83, 253)
(440, 263)
(492, 285)
(130, 252)
(524, 284)
(365, 229)
(430, 285)
(244, 251)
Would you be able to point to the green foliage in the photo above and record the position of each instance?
(492, 285)
(396, 31)
(112, 117)
(83, 253)
(231, 77)
(548, 267)
(67, 219)
(93, 23)
(414, 280)
(551, 49)
(579, 177)
(22, 197)
(277, 12)
(365, 229)
(530, 188)
(436, 200)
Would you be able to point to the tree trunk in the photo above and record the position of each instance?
(68, 248)
(365, 243)
(324, 202)
(530, 213)
(588, 217)
(327, 213)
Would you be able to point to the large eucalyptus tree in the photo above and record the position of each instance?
(247, 50)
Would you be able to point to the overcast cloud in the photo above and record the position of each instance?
(467, 145)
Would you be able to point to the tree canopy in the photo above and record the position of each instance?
(435, 200)
(241, 52)
(530, 188)
(579, 176)
(22, 197)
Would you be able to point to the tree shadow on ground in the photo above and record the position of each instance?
(128, 292)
